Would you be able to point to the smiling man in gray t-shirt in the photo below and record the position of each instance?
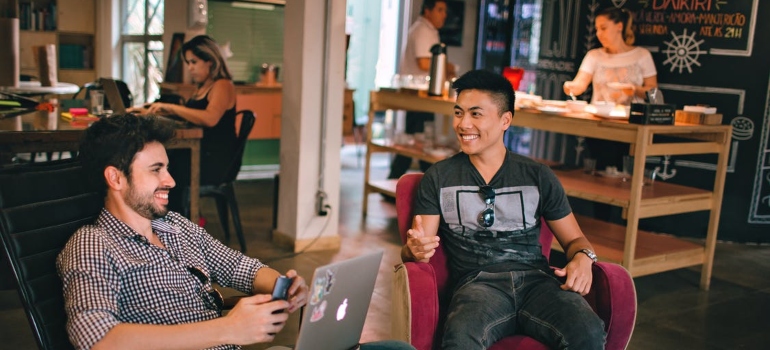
(487, 203)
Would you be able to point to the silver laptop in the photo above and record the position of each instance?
(339, 300)
(113, 96)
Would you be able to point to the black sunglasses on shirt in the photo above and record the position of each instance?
(487, 216)
(214, 295)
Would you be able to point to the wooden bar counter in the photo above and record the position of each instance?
(640, 252)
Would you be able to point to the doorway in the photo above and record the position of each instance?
(374, 27)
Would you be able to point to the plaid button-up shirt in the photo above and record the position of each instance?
(112, 274)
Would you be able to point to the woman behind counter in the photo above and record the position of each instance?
(212, 106)
(617, 61)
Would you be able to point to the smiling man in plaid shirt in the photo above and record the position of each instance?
(140, 276)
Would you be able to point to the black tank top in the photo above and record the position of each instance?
(217, 145)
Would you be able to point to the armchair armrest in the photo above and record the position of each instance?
(415, 302)
(613, 297)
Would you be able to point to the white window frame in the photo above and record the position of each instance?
(141, 38)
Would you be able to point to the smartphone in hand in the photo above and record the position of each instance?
(281, 289)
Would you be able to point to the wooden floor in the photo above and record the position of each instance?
(673, 312)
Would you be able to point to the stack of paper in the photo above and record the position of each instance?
(701, 109)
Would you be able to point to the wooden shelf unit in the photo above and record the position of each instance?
(640, 252)
(75, 25)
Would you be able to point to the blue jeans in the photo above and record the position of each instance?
(491, 306)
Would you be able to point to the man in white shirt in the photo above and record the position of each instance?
(415, 61)
(423, 34)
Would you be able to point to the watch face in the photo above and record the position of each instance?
(590, 254)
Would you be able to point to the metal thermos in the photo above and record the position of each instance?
(437, 70)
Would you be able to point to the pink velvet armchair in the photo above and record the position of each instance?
(420, 291)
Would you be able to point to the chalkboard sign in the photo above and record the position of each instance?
(685, 30)
(705, 52)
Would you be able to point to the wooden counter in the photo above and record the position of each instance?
(640, 252)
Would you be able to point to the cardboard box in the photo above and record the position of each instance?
(646, 113)
(698, 118)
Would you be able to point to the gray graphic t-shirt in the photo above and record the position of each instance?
(524, 191)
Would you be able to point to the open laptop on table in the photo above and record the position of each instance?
(113, 96)
(339, 300)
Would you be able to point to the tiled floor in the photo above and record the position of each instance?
(673, 312)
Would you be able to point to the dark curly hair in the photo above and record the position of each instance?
(114, 141)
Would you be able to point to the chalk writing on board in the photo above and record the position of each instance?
(721, 27)
(732, 102)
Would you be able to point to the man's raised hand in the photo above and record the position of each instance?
(420, 247)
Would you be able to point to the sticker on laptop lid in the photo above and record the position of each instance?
(318, 312)
(322, 286)
(329, 281)
(319, 288)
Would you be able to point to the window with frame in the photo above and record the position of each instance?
(141, 41)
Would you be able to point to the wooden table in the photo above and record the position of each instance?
(640, 252)
(50, 134)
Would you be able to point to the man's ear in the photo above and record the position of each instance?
(507, 118)
(114, 178)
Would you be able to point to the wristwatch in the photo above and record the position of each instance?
(588, 252)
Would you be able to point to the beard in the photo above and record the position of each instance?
(145, 205)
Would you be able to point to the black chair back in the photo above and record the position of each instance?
(41, 206)
(224, 191)
(247, 123)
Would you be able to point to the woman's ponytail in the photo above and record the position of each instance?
(628, 28)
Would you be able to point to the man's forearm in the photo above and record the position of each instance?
(264, 280)
(199, 335)
(576, 246)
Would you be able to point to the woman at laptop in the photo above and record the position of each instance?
(212, 107)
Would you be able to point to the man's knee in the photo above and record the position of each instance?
(587, 334)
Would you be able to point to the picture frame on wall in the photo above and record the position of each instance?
(452, 32)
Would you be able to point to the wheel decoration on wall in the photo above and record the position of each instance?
(682, 51)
